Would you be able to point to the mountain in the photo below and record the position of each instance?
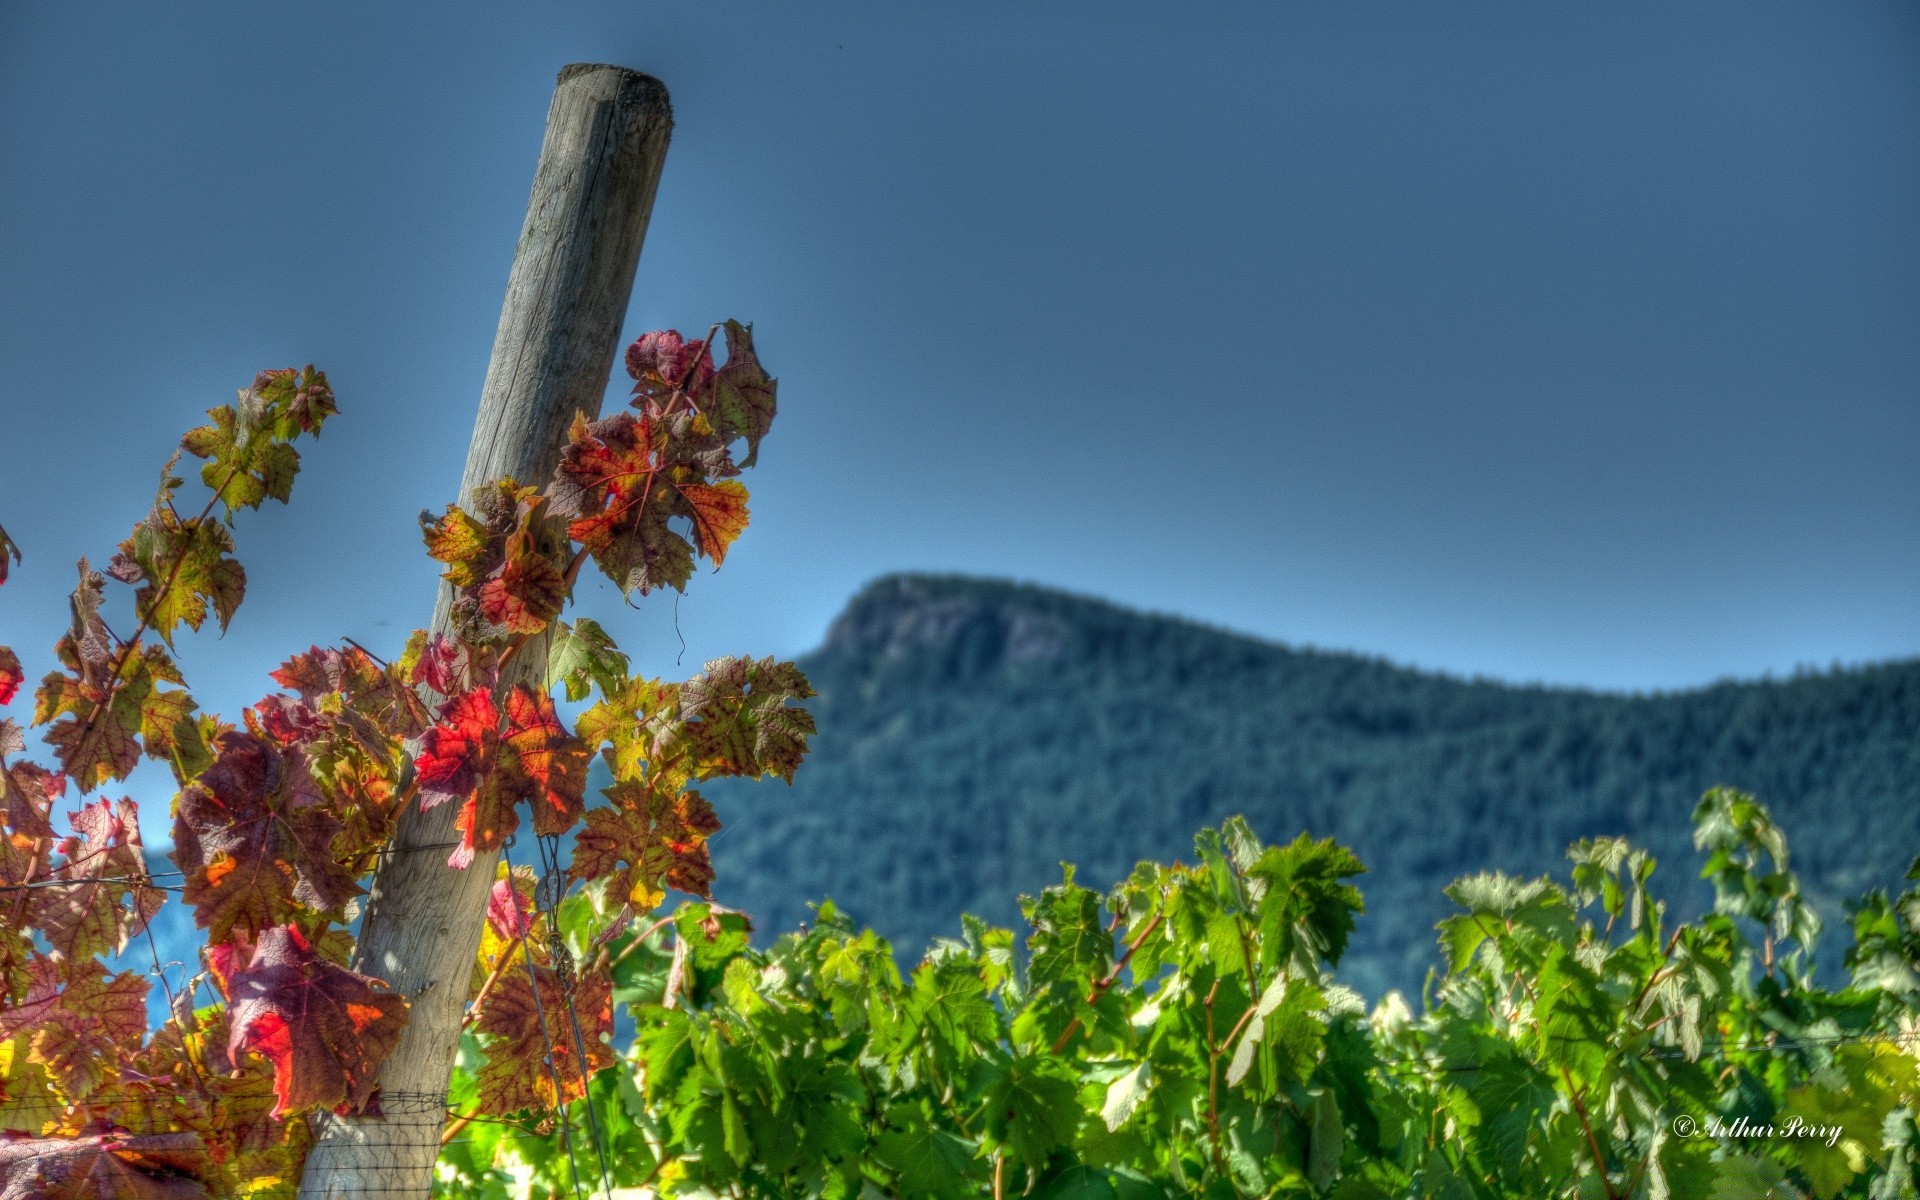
(974, 734)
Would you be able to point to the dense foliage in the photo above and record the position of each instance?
(976, 734)
(1185, 1035)
(278, 819)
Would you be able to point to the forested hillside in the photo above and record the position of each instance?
(973, 734)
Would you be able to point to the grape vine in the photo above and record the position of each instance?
(279, 819)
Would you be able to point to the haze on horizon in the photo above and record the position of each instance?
(1528, 343)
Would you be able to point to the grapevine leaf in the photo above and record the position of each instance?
(927, 1161)
(376, 703)
(525, 1030)
(246, 447)
(183, 567)
(469, 757)
(9, 552)
(741, 401)
(661, 839)
(105, 1161)
(631, 720)
(324, 1028)
(438, 662)
(544, 764)
(1070, 946)
(950, 1001)
(1306, 911)
(741, 718)
(507, 912)
(297, 401)
(454, 753)
(529, 590)
(1124, 1095)
(10, 675)
(501, 559)
(106, 700)
(104, 867)
(1030, 1106)
(30, 792)
(458, 540)
(582, 655)
(719, 513)
(663, 361)
(607, 482)
(77, 1031)
(254, 837)
(91, 734)
(1514, 1096)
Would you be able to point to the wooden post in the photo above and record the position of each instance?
(606, 140)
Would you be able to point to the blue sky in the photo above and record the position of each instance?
(1504, 339)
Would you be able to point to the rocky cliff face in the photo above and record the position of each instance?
(904, 616)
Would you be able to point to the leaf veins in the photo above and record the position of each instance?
(324, 1028)
(254, 837)
(491, 761)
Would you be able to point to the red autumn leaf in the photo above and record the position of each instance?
(469, 757)
(77, 1028)
(544, 764)
(104, 867)
(10, 675)
(324, 1028)
(501, 559)
(439, 662)
(607, 483)
(514, 1076)
(29, 791)
(507, 912)
(662, 840)
(285, 721)
(376, 703)
(455, 752)
(104, 1163)
(664, 361)
(529, 590)
(254, 837)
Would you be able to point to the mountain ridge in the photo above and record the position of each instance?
(974, 732)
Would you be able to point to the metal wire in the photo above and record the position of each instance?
(553, 1066)
(549, 848)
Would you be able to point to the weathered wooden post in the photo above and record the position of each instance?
(606, 140)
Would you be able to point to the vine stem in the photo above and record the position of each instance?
(1213, 1083)
(1593, 1142)
(146, 622)
(493, 977)
(1102, 984)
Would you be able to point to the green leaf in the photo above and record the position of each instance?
(582, 656)
(1125, 1094)
(1306, 911)
(1030, 1106)
(927, 1161)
